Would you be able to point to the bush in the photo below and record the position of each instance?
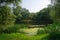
(39, 32)
(54, 32)
(14, 29)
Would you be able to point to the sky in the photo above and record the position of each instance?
(34, 5)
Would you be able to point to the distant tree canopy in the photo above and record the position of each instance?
(21, 13)
(43, 17)
(32, 16)
(25, 13)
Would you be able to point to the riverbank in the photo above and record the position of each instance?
(19, 36)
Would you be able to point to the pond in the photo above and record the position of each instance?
(30, 31)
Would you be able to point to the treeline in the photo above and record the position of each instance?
(18, 15)
(41, 17)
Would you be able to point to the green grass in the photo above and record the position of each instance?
(19, 36)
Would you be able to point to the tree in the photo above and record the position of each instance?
(43, 17)
(17, 13)
(7, 2)
(32, 16)
(7, 18)
(24, 13)
(56, 4)
(21, 13)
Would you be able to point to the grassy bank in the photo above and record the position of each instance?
(19, 36)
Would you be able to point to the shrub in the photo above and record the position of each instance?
(54, 32)
(14, 28)
(39, 32)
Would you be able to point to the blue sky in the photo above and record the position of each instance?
(35, 5)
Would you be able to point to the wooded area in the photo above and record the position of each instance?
(12, 19)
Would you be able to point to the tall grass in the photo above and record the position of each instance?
(15, 28)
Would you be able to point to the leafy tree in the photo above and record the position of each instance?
(24, 13)
(21, 13)
(7, 2)
(56, 4)
(32, 16)
(52, 13)
(43, 17)
(17, 13)
(7, 18)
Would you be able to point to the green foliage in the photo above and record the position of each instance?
(43, 17)
(32, 16)
(57, 9)
(17, 12)
(7, 18)
(14, 29)
(19, 36)
(40, 32)
(53, 31)
(15, 2)
(21, 14)
(24, 13)
(52, 14)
